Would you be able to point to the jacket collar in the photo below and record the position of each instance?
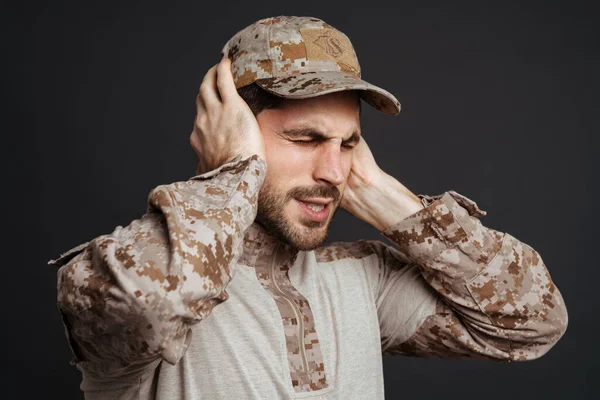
(260, 246)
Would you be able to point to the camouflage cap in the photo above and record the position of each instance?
(298, 58)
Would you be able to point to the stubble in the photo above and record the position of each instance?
(302, 234)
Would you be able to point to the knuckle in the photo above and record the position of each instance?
(206, 85)
(201, 121)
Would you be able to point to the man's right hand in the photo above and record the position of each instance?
(225, 126)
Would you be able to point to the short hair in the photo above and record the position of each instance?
(259, 99)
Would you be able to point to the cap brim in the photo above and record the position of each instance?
(312, 84)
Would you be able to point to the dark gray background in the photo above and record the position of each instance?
(499, 103)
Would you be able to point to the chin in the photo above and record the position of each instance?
(299, 235)
(309, 238)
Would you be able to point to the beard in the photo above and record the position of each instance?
(271, 215)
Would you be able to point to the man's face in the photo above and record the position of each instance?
(309, 154)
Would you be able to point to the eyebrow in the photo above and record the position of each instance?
(315, 134)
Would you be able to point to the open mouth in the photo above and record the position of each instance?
(314, 207)
(316, 210)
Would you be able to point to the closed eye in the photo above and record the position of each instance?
(304, 141)
(312, 142)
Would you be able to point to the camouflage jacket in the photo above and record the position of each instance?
(139, 304)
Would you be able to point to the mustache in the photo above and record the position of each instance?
(316, 191)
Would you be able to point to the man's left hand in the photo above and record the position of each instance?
(374, 196)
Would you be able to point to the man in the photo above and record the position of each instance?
(278, 136)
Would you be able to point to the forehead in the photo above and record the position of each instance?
(331, 112)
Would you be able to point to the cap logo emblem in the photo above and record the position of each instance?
(326, 44)
(330, 45)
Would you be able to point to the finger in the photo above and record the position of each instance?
(208, 88)
(225, 81)
(200, 107)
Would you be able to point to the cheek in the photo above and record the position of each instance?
(346, 169)
(287, 163)
(347, 164)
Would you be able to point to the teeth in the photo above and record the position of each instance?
(315, 207)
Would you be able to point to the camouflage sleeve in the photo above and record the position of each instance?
(130, 297)
(469, 291)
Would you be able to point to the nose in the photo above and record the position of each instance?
(328, 165)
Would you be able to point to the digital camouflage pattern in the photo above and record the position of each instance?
(272, 261)
(301, 57)
(162, 273)
(449, 287)
(488, 278)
